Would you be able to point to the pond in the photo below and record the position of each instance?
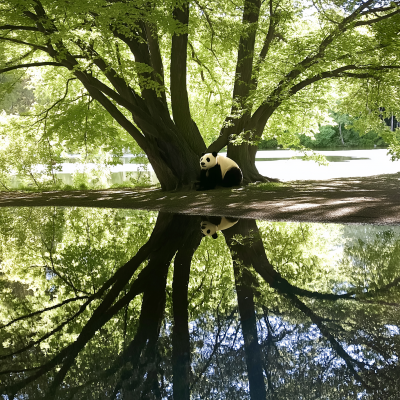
(342, 164)
(129, 304)
(285, 165)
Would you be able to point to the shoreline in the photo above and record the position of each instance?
(363, 200)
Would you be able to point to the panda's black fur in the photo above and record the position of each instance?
(218, 170)
(211, 225)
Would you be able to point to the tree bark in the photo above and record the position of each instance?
(340, 133)
(242, 258)
(245, 157)
(180, 333)
(244, 281)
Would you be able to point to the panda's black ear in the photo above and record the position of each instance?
(202, 154)
(214, 236)
(214, 153)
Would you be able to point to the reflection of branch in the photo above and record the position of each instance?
(42, 311)
(217, 344)
(334, 343)
(253, 253)
(159, 261)
(17, 371)
(383, 303)
(47, 335)
(394, 283)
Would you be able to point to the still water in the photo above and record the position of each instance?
(342, 164)
(128, 304)
(273, 163)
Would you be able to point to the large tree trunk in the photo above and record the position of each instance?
(245, 156)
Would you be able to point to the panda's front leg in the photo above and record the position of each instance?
(202, 180)
(205, 183)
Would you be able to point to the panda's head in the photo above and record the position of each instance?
(209, 229)
(208, 160)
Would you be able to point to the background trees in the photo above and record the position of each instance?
(179, 77)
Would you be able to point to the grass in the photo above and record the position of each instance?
(81, 186)
(268, 186)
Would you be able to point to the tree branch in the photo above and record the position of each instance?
(18, 28)
(263, 112)
(35, 46)
(48, 334)
(374, 21)
(178, 77)
(35, 64)
(273, 22)
(243, 76)
(113, 110)
(155, 57)
(46, 112)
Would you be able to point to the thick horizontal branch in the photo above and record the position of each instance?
(340, 73)
(35, 46)
(35, 64)
(375, 20)
(18, 28)
(379, 9)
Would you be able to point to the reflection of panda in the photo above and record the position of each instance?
(218, 170)
(210, 226)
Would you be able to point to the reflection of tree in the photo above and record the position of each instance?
(247, 250)
(170, 235)
(124, 334)
(244, 281)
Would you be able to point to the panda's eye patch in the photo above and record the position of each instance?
(208, 231)
(208, 160)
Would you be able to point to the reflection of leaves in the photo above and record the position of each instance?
(299, 336)
(247, 240)
(56, 254)
(374, 259)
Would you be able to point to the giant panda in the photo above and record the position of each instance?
(218, 170)
(211, 225)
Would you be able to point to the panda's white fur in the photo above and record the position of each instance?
(210, 229)
(224, 162)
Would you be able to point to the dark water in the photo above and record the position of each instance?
(126, 304)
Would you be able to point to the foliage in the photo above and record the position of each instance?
(267, 186)
(328, 136)
(172, 78)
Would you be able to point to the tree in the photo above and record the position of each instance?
(254, 66)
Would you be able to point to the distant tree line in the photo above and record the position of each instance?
(340, 135)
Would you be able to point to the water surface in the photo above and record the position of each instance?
(127, 304)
